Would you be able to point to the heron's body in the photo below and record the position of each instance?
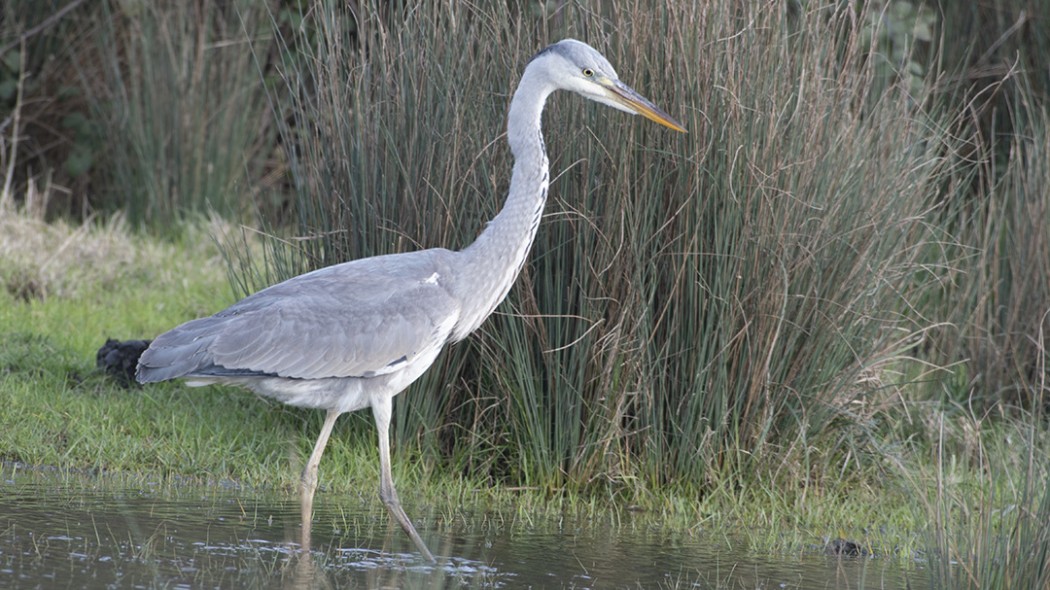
(354, 335)
(358, 326)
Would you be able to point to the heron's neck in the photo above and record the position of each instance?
(494, 260)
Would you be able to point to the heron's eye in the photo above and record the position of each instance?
(588, 72)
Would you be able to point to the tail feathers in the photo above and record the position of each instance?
(177, 353)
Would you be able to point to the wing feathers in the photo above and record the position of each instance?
(358, 319)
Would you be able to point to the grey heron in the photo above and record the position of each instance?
(353, 335)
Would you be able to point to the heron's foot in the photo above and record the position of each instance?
(393, 505)
(406, 524)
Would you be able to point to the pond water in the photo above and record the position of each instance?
(62, 531)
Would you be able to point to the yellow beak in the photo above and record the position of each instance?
(624, 95)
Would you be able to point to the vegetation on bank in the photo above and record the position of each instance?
(825, 306)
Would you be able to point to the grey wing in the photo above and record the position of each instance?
(358, 319)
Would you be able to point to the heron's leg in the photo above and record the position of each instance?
(309, 478)
(308, 483)
(381, 409)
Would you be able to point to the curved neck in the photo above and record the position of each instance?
(494, 260)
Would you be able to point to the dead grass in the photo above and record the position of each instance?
(41, 260)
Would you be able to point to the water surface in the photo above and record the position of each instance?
(62, 531)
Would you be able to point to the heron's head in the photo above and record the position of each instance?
(574, 65)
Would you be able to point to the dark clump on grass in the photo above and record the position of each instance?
(120, 358)
(845, 548)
